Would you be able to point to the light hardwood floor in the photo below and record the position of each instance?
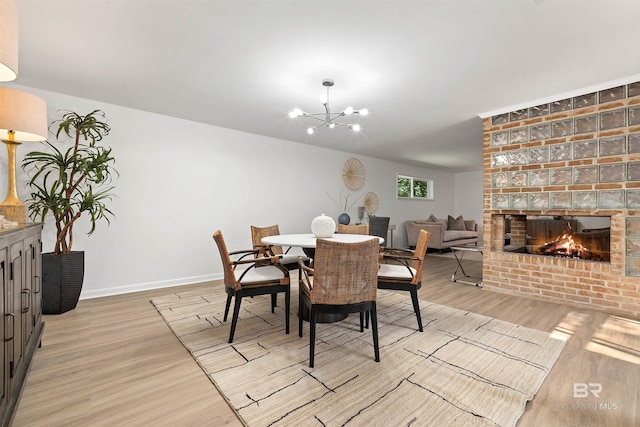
(113, 362)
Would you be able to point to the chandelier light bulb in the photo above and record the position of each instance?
(310, 131)
(348, 110)
(356, 128)
(363, 112)
(296, 113)
(332, 125)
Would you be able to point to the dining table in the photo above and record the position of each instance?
(307, 241)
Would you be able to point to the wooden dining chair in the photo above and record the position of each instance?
(353, 229)
(246, 275)
(343, 280)
(290, 261)
(401, 270)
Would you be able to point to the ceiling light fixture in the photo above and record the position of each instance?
(328, 118)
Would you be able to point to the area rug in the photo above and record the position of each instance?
(463, 370)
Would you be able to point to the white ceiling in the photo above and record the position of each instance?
(425, 69)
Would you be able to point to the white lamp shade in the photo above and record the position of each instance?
(8, 40)
(23, 113)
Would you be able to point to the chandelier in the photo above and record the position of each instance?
(328, 118)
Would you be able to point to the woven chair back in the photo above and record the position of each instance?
(420, 252)
(353, 229)
(229, 275)
(345, 273)
(257, 233)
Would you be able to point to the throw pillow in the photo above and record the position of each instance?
(432, 218)
(455, 223)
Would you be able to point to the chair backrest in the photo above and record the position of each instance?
(420, 252)
(345, 273)
(257, 233)
(353, 229)
(379, 226)
(227, 266)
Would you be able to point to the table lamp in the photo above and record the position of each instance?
(23, 118)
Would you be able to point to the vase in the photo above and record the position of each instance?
(62, 277)
(344, 218)
(323, 226)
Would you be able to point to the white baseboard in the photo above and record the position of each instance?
(117, 290)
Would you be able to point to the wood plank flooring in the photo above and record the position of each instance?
(113, 362)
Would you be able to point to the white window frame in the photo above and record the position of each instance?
(412, 195)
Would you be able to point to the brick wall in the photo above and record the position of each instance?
(577, 156)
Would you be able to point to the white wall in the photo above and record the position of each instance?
(181, 180)
(468, 196)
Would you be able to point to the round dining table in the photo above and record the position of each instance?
(308, 241)
(308, 244)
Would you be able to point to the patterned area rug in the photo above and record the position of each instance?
(463, 370)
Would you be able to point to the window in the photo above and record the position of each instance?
(408, 187)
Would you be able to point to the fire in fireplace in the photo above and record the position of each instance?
(578, 237)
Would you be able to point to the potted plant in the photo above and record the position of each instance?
(67, 184)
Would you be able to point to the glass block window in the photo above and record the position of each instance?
(586, 124)
(613, 119)
(518, 115)
(518, 136)
(539, 110)
(538, 155)
(612, 173)
(584, 100)
(518, 179)
(634, 116)
(500, 119)
(612, 94)
(500, 180)
(540, 132)
(562, 128)
(560, 176)
(560, 152)
(610, 199)
(585, 199)
(560, 200)
(499, 138)
(539, 177)
(563, 105)
(585, 149)
(634, 143)
(614, 146)
(585, 175)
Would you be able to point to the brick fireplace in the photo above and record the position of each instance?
(573, 157)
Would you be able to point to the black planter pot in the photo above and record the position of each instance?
(62, 277)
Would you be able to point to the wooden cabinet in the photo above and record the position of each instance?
(20, 310)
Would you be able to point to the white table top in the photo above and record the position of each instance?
(309, 240)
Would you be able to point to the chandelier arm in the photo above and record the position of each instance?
(313, 116)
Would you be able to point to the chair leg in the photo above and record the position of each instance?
(274, 302)
(374, 330)
(300, 309)
(362, 321)
(234, 319)
(312, 335)
(366, 319)
(287, 309)
(416, 307)
(226, 308)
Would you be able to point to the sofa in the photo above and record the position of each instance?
(445, 233)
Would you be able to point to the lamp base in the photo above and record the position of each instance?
(16, 213)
